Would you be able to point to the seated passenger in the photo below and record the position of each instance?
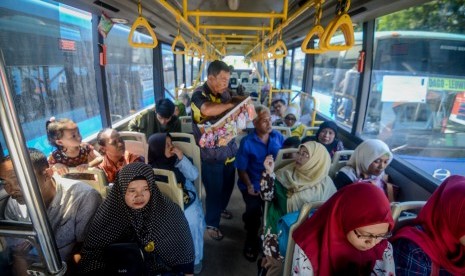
(64, 135)
(186, 100)
(327, 135)
(291, 120)
(366, 164)
(292, 142)
(164, 155)
(305, 180)
(136, 212)
(161, 120)
(179, 109)
(115, 155)
(346, 235)
(435, 245)
(279, 106)
(69, 204)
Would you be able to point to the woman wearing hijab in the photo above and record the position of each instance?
(436, 244)
(327, 135)
(135, 211)
(367, 164)
(305, 180)
(179, 109)
(164, 155)
(346, 235)
(291, 119)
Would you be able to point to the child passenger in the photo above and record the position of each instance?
(435, 245)
(136, 211)
(346, 235)
(164, 155)
(64, 135)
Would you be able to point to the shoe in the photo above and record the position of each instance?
(214, 233)
(226, 214)
(250, 253)
(198, 268)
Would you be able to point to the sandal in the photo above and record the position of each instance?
(214, 233)
(226, 214)
(250, 253)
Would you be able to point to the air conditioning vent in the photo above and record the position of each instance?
(106, 6)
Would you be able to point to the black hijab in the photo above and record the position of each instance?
(160, 223)
(158, 159)
(333, 146)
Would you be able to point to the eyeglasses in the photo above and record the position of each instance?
(371, 237)
(303, 154)
(290, 119)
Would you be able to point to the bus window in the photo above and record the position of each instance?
(336, 82)
(416, 98)
(129, 74)
(52, 73)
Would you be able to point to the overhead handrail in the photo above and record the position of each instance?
(193, 50)
(179, 39)
(317, 31)
(141, 21)
(279, 50)
(341, 22)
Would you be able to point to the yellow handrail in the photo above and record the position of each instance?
(141, 21)
(179, 39)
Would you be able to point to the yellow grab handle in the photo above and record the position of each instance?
(141, 21)
(181, 40)
(193, 50)
(344, 23)
(317, 31)
(278, 47)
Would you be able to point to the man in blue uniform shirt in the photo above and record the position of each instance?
(255, 147)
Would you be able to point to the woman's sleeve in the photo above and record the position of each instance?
(386, 266)
(341, 180)
(410, 259)
(300, 263)
(186, 167)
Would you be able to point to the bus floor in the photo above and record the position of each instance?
(225, 257)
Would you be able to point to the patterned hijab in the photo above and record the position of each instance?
(158, 159)
(443, 222)
(161, 223)
(309, 174)
(323, 237)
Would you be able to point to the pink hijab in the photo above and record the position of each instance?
(323, 237)
(443, 222)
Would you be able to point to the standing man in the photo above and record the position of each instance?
(255, 147)
(155, 121)
(208, 102)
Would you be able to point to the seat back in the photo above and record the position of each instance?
(285, 131)
(310, 131)
(337, 163)
(406, 218)
(284, 157)
(136, 143)
(168, 186)
(95, 177)
(186, 143)
(305, 211)
(186, 124)
(303, 215)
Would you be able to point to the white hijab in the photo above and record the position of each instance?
(363, 156)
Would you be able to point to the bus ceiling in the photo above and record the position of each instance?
(235, 26)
